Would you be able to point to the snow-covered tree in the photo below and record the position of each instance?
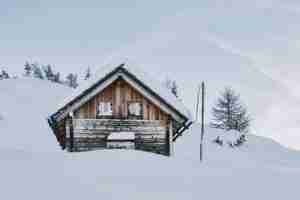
(88, 74)
(71, 80)
(48, 72)
(28, 69)
(4, 75)
(37, 72)
(172, 86)
(174, 89)
(229, 113)
(56, 78)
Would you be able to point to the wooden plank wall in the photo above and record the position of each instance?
(120, 93)
(92, 134)
(61, 133)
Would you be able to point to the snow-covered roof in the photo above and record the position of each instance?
(156, 86)
(121, 136)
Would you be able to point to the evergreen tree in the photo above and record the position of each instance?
(56, 78)
(75, 81)
(72, 80)
(172, 86)
(88, 74)
(48, 72)
(229, 113)
(174, 89)
(28, 69)
(37, 72)
(4, 75)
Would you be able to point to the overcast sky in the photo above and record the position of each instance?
(73, 34)
(188, 40)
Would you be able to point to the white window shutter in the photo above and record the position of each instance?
(105, 109)
(135, 109)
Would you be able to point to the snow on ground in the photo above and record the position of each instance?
(256, 151)
(25, 104)
(33, 168)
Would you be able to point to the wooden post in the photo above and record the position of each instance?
(171, 149)
(71, 128)
(202, 121)
(68, 134)
(71, 135)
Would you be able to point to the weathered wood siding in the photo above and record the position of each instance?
(61, 133)
(91, 134)
(120, 94)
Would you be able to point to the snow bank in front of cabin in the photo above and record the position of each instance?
(33, 168)
(149, 176)
(137, 175)
(124, 174)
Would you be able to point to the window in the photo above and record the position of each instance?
(104, 109)
(135, 109)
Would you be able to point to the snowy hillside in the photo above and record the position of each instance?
(32, 164)
(256, 151)
(25, 103)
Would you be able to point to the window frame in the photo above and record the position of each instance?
(103, 116)
(132, 116)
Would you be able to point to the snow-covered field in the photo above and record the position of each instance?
(33, 167)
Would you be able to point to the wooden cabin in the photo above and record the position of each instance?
(120, 108)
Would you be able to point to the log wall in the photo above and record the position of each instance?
(92, 134)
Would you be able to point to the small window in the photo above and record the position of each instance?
(104, 109)
(135, 109)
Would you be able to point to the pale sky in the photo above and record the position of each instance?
(250, 45)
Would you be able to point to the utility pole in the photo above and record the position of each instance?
(202, 120)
